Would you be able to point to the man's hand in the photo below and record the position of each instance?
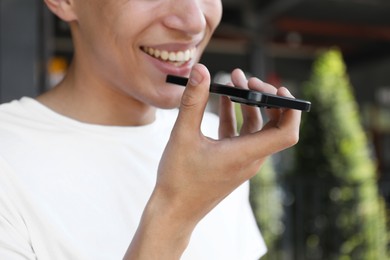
(196, 172)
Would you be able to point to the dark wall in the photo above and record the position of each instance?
(20, 62)
(369, 77)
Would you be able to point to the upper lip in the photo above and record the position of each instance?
(173, 47)
(178, 45)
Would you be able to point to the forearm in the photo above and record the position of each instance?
(162, 233)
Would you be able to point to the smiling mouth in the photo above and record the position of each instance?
(176, 58)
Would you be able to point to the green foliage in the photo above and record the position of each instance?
(342, 214)
(333, 126)
(266, 201)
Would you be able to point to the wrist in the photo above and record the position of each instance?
(163, 233)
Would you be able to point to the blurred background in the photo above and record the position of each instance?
(279, 41)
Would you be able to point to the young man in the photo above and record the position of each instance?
(104, 167)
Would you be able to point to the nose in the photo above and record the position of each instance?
(186, 16)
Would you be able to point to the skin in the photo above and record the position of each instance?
(109, 68)
(113, 82)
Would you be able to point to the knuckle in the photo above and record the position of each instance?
(292, 138)
(252, 121)
(188, 100)
(250, 127)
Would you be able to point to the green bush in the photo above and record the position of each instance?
(333, 182)
(267, 205)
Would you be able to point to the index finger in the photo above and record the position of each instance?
(278, 134)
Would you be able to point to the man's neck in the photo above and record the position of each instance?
(95, 107)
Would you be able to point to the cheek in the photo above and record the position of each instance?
(213, 12)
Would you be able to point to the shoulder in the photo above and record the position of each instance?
(16, 116)
(17, 121)
(10, 117)
(16, 112)
(7, 110)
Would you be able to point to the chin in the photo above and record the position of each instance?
(169, 99)
(168, 105)
(165, 102)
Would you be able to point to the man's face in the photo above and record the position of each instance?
(131, 45)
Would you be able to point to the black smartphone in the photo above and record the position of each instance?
(249, 97)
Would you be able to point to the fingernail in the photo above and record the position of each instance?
(195, 77)
(288, 93)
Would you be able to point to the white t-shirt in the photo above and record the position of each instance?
(71, 190)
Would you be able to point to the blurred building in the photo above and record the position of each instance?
(276, 40)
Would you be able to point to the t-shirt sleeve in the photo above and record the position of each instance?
(14, 239)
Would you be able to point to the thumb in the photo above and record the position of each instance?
(194, 99)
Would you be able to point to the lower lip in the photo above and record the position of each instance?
(168, 68)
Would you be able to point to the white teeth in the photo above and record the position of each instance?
(187, 55)
(164, 55)
(179, 57)
(156, 54)
(172, 56)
